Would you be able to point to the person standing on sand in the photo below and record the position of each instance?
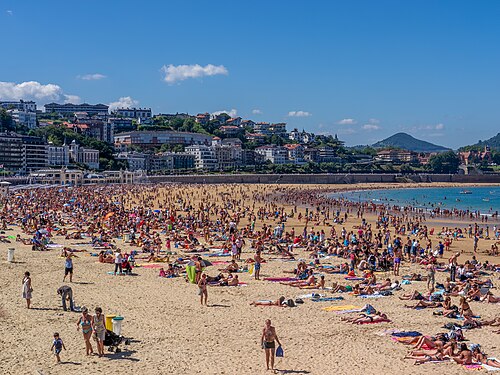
(431, 275)
(86, 323)
(68, 267)
(99, 330)
(27, 289)
(453, 266)
(258, 260)
(57, 346)
(398, 254)
(203, 291)
(118, 261)
(267, 342)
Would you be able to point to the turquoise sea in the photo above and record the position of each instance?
(483, 199)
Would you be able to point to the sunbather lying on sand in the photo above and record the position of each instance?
(378, 317)
(278, 302)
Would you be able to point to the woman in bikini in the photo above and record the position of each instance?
(85, 322)
(465, 309)
(278, 302)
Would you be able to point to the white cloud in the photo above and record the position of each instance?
(299, 114)
(371, 127)
(233, 112)
(439, 127)
(176, 73)
(33, 90)
(347, 121)
(73, 99)
(256, 111)
(418, 128)
(373, 121)
(123, 102)
(9, 12)
(347, 131)
(91, 77)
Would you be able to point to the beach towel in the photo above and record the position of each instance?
(474, 366)
(151, 265)
(371, 296)
(251, 269)
(407, 334)
(191, 273)
(490, 368)
(354, 278)
(379, 321)
(277, 279)
(327, 299)
(311, 295)
(341, 308)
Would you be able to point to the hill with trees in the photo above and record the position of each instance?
(407, 142)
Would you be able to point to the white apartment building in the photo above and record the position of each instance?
(275, 154)
(58, 155)
(137, 113)
(87, 156)
(205, 157)
(20, 105)
(24, 118)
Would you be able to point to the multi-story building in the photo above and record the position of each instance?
(231, 130)
(270, 129)
(202, 118)
(247, 123)
(256, 137)
(327, 154)
(23, 118)
(236, 121)
(274, 154)
(397, 156)
(295, 153)
(121, 124)
(142, 114)
(20, 105)
(101, 130)
(205, 156)
(22, 154)
(83, 155)
(152, 139)
(301, 137)
(58, 155)
(68, 109)
(137, 161)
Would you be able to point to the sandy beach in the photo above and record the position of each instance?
(171, 333)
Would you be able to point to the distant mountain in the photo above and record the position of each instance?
(493, 143)
(407, 142)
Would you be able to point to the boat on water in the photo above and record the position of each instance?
(486, 199)
(465, 192)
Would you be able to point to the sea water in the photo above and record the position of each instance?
(483, 199)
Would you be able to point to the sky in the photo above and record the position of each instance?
(361, 69)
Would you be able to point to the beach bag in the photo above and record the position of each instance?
(290, 303)
(280, 352)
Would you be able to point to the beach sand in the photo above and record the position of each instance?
(172, 334)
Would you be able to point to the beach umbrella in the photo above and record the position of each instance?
(157, 211)
(66, 205)
(108, 215)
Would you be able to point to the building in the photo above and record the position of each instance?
(236, 121)
(69, 109)
(327, 154)
(22, 154)
(121, 124)
(231, 130)
(202, 118)
(474, 157)
(204, 157)
(397, 156)
(152, 139)
(301, 137)
(20, 105)
(274, 154)
(24, 118)
(247, 123)
(65, 176)
(268, 129)
(295, 153)
(256, 138)
(58, 155)
(169, 161)
(137, 161)
(101, 130)
(143, 114)
(83, 155)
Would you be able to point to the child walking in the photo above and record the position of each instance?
(57, 346)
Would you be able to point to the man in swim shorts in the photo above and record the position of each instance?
(267, 341)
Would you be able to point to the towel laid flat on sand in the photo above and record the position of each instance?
(341, 308)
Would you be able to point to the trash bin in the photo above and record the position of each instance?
(117, 325)
(10, 254)
(109, 322)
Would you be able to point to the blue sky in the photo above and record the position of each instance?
(361, 69)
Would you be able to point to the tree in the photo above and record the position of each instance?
(446, 162)
(6, 122)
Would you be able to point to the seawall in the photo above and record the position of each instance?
(323, 178)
